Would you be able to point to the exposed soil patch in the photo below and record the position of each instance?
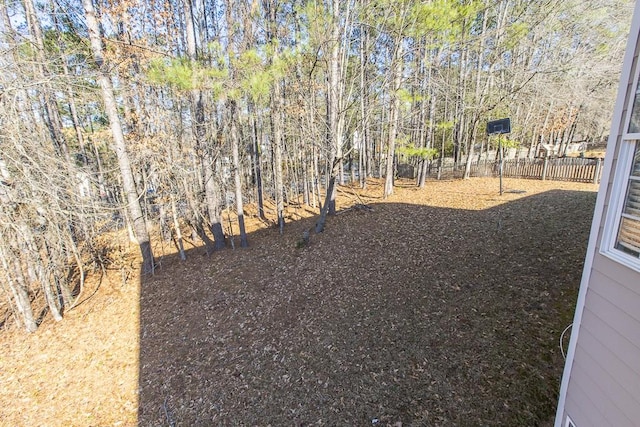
(441, 306)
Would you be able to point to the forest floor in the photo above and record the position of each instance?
(436, 307)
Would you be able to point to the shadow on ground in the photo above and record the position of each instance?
(406, 313)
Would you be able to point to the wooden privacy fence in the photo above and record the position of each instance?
(564, 169)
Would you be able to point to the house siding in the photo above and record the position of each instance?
(601, 384)
(605, 409)
(593, 350)
(581, 402)
(606, 365)
(618, 397)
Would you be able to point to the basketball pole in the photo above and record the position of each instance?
(501, 162)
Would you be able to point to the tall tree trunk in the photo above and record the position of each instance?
(276, 105)
(478, 94)
(212, 198)
(276, 124)
(176, 232)
(467, 165)
(316, 179)
(43, 263)
(257, 160)
(394, 117)
(363, 166)
(236, 173)
(190, 29)
(335, 103)
(74, 117)
(233, 126)
(120, 147)
(332, 174)
(18, 290)
(54, 124)
(306, 197)
(431, 94)
(333, 98)
(204, 156)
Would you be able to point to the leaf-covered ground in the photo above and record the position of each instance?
(436, 307)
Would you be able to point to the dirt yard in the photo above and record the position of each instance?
(436, 307)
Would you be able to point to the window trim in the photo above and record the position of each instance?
(631, 103)
(617, 201)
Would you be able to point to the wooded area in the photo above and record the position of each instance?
(159, 116)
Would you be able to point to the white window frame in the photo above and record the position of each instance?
(616, 206)
(632, 98)
(619, 185)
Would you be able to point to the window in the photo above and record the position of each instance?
(622, 230)
(621, 234)
(634, 119)
(628, 239)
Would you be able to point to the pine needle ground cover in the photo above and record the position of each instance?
(435, 307)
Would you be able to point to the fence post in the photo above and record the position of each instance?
(544, 168)
(596, 176)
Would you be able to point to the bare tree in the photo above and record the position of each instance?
(120, 146)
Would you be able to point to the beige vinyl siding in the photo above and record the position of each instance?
(593, 395)
(606, 367)
(624, 298)
(598, 351)
(622, 358)
(622, 327)
(581, 406)
(605, 407)
(616, 272)
(623, 402)
(622, 363)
